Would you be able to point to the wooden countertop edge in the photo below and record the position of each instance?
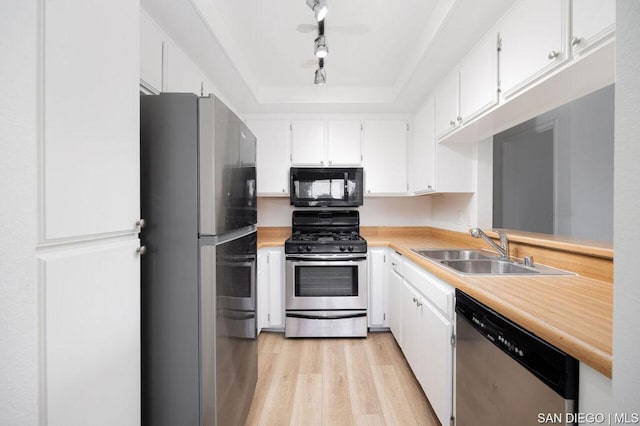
(585, 352)
(594, 357)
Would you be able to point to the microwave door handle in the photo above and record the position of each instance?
(345, 196)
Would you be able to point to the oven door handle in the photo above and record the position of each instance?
(326, 260)
(327, 317)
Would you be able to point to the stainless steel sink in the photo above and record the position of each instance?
(476, 262)
(493, 266)
(452, 254)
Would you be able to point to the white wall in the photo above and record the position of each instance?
(18, 185)
(376, 211)
(626, 334)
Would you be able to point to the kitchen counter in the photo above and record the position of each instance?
(573, 313)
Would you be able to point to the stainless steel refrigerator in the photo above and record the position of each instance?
(198, 178)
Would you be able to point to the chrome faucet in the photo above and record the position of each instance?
(502, 249)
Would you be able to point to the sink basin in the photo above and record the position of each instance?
(492, 266)
(452, 254)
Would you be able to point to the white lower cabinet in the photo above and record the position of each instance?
(91, 341)
(420, 316)
(595, 393)
(270, 288)
(377, 312)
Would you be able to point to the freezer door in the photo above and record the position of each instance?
(227, 169)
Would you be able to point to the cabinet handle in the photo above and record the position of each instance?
(393, 264)
(429, 188)
(141, 250)
(452, 123)
(330, 162)
(575, 41)
(419, 303)
(283, 190)
(414, 299)
(368, 191)
(140, 223)
(459, 119)
(322, 162)
(553, 54)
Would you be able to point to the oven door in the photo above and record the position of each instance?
(326, 282)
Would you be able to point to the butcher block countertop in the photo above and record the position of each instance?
(573, 313)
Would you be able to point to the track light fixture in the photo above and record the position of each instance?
(320, 76)
(319, 8)
(320, 48)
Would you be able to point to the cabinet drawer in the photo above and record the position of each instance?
(440, 294)
(397, 263)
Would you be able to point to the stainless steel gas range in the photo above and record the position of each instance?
(326, 275)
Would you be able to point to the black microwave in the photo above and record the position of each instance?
(326, 186)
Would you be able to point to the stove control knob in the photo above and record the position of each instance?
(300, 249)
(342, 248)
(350, 248)
(308, 248)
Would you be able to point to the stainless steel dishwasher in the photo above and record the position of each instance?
(506, 375)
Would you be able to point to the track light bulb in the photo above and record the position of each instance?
(320, 49)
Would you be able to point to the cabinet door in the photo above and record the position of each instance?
(411, 327)
(385, 151)
(275, 317)
(394, 297)
(591, 21)
(91, 349)
(436, 354)
(422, 150)
(262, 289)
(273, 151)
(308, 143)
(479, 78)
(533, 42)
(91, 103)
(377, 288)
(344, 142)
(150, 53)
(447, 100)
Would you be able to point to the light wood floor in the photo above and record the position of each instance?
(336, 382)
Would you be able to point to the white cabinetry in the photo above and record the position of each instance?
(377, 312)
(326, 143)
(270, 290)
(344, 142)
(479, 78)
(91, 105)
(534, 41)
(91, 349)
(427, 331)
(273, 155)
(437, 167)
(308, 143)
(591, 22)
(447, 103)
(422, 150)
(394, 296)
(182, 74)
(595, 393)
(385, 157)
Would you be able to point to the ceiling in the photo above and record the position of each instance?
(384, 56)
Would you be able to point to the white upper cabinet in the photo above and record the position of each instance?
(151, 42)
(326, 143)
(534, 41)
(273, 155)
(422, 150)
(308, 143)
(437, 167)
(91, 131)
(479, 78)
(447, 104)
(344, 142)
(591, 22)
(385, 157)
